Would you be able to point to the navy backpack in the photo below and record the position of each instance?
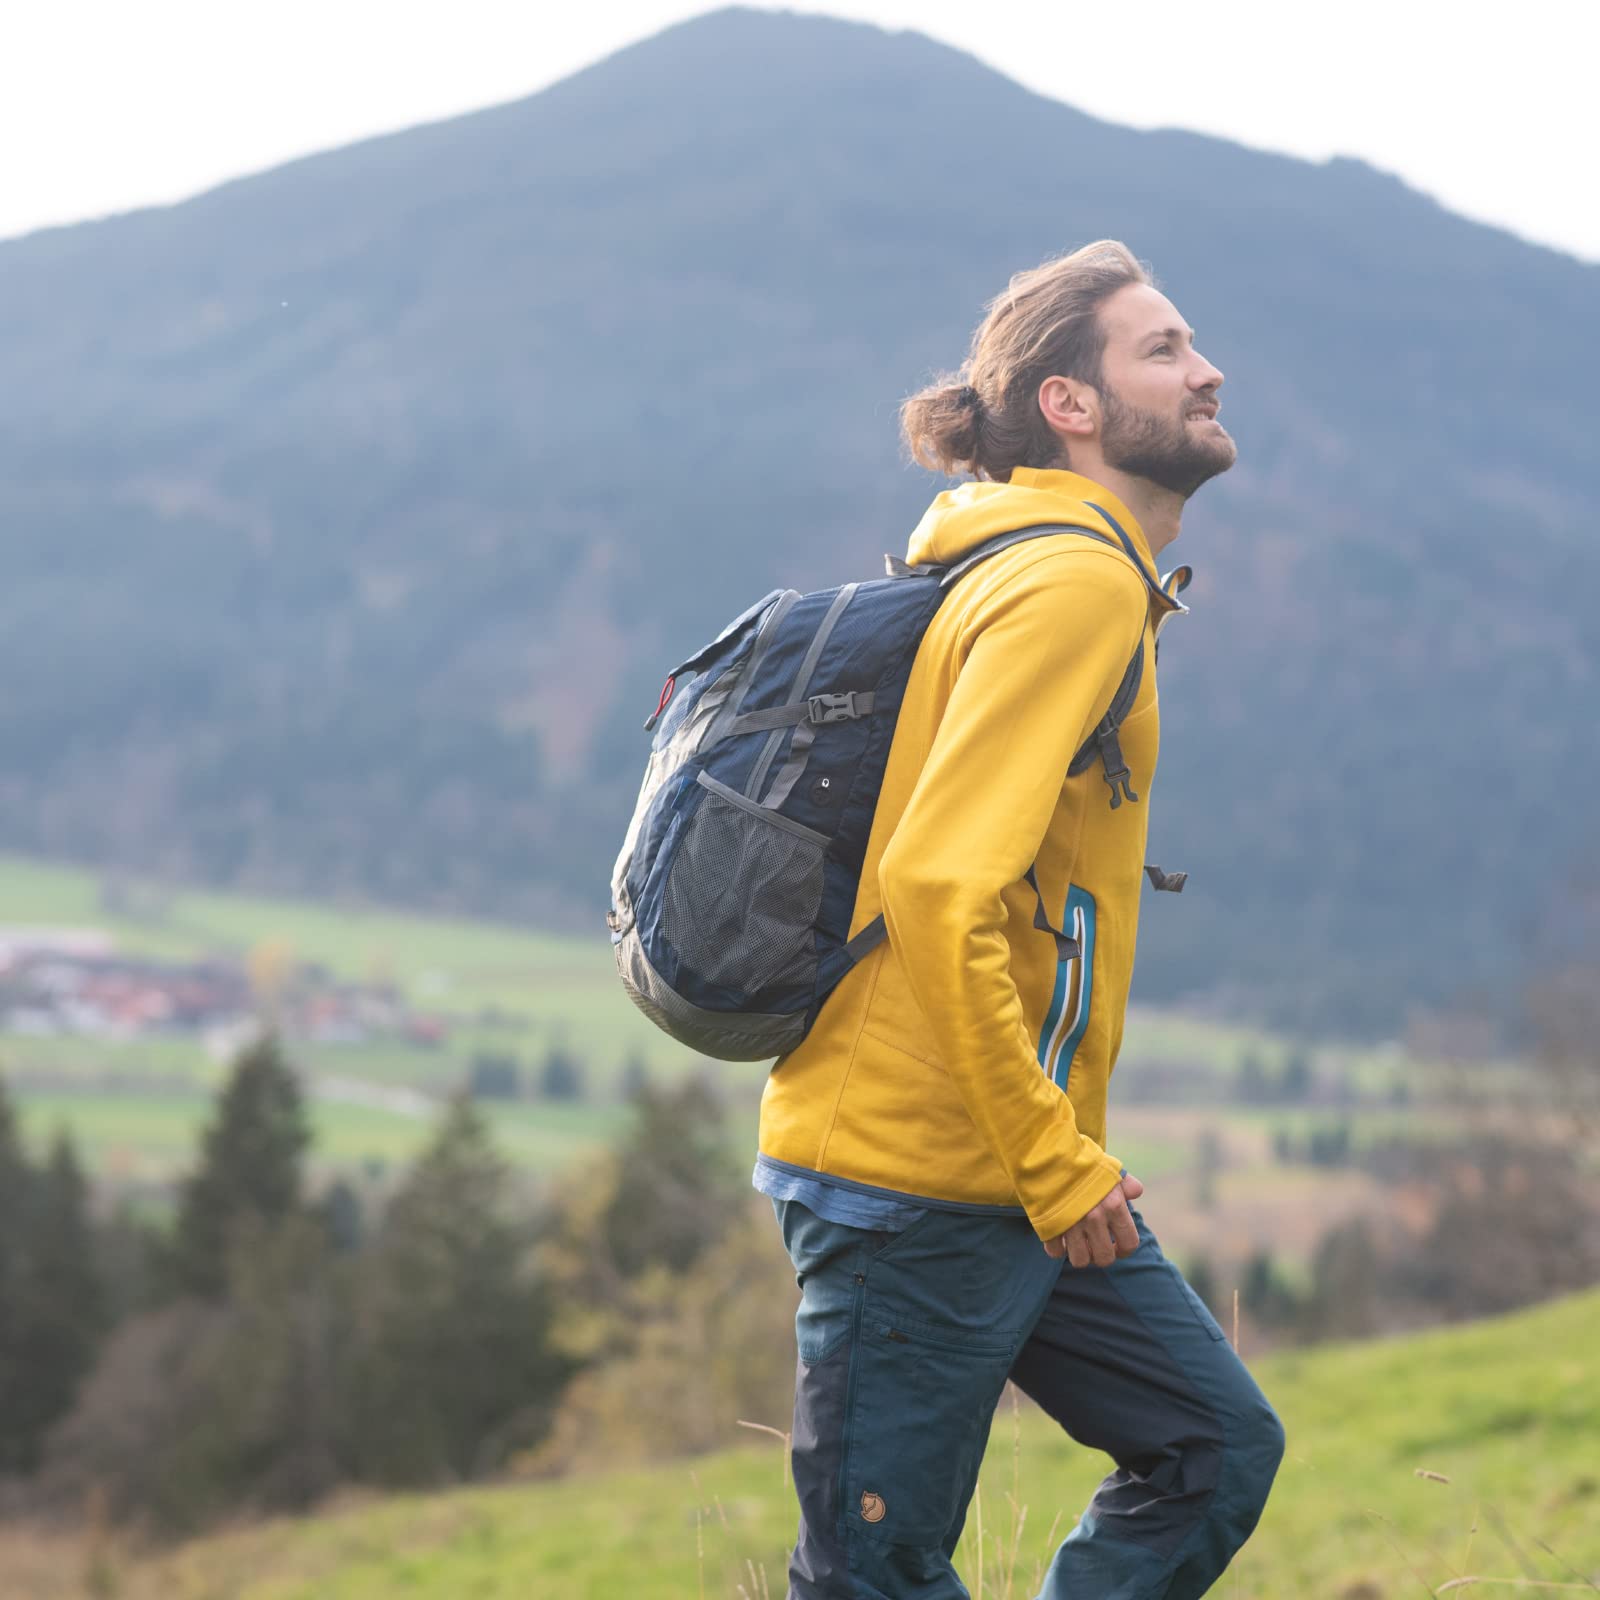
(732, 896)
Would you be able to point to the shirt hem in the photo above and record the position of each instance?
(766, 1163)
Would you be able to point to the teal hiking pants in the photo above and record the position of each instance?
(905, 1344)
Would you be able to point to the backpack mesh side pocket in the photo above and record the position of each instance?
(741, 899)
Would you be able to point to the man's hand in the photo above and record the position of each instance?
(1105, 1235)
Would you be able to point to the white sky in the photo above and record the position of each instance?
(106, 105)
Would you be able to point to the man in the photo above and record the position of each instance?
(936, 1148)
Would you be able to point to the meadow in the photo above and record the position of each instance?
(1454, 1460)
(136, 1105)
(1219, 1189)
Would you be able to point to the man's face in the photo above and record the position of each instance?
(1159, 395)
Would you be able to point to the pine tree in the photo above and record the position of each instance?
(452, 1366)
(561, 1077)
(14, 1195)
(676, 1184)
(63, 1301)
(250, 1166)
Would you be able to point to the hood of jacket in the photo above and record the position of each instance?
(960, 519)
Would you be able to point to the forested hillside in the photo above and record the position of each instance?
(352, 513)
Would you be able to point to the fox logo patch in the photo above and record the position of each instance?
(872, 1507)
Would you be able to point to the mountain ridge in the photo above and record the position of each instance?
(356, 507)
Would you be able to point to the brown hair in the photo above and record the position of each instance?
(985, 419)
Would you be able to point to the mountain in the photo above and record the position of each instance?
(353, 512)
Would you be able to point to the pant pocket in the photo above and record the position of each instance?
(1202, 1313)
(924, 1396)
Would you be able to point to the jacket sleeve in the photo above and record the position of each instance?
(1040, 660)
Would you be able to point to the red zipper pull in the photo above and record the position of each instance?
(666, 695)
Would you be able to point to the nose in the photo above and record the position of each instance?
(1204, 375)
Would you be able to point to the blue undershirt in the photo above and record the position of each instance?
(846, 1204)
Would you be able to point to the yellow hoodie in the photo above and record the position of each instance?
(962, 1062)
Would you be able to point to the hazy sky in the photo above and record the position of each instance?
(110, 104)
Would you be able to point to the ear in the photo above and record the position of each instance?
(1071, 408)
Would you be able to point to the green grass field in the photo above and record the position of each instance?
(152, 1138)
(554, 987)
(1506, 1411)
(558, 987)
(135, 1105)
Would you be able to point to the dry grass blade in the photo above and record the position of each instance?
(777, 1433)
(1432, 1477)
(1561, 1561)
(1019, 1521)
(700, 1547)
(722, 1515)
(1388, 1534)
(1049, 1551)
(1019, 1512)
(978, 1506)
(1438, 1555)
(1509, 1540)
(1472, 1581)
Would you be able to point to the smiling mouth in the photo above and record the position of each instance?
(1204, 416)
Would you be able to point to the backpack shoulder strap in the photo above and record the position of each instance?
(1103, 742)
(1004, 541)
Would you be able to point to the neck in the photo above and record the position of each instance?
(1159, 511)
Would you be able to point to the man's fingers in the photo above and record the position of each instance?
(1102, 1245)
(1106, 1234)
(1124, 1229)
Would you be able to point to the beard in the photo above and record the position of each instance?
(1169, 451)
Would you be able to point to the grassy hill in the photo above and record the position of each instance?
(1412, 1464)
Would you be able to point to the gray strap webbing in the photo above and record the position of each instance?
(1004, 541)
(785, 603)
(1102, 741)
(867, 940)
(789, 773)
(1067, 948)
(788, 716)
(808, 710)
(797, 689)
(1121, 705)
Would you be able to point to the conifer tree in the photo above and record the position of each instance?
(13, 1235)
(250, 1166)
(676, 1185)
(452, 1366)
(63, 1302)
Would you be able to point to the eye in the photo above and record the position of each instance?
(1162, 350)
